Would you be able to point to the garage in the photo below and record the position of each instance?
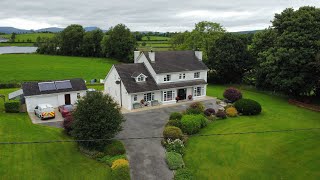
(56, 93)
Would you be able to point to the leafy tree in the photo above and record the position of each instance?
(262, 41)
(92, 43)
(291, 64)
(138, 36)
(13, 37)
(97, 116)
(120, 43)
(71, 40)
(48, 45)
(228, 59)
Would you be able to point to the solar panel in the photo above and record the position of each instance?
(63, 84)
(46, 86)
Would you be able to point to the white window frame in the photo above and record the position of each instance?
(182, 76)
(196, 75)
(135, 98)
(198, 91)
(167, 78)
(146, 96)
(165, 95)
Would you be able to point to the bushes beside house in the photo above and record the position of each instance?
(175, 116)
(172, 132)
(248, 107)
(12, 106)
(190, 124)
(232, 94)
(195, 108)
(231, 112)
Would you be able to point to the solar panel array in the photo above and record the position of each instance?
(56, 85)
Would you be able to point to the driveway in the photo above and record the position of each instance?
(146, 156)
(56, 121)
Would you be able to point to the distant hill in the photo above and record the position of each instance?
(9, 30)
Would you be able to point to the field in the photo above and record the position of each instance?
(286, 155)
(28, 67)
(16, 44)
(30, 36)
(157, 43)
(41, 161)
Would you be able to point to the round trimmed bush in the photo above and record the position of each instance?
(175, 122)
(248, 107)
(190, 124)
(209, 112)
(221, 114)
(172, 132)
(232, 94)
(175, 116)
(195, 108)
(231, 112)
(183, 174)
(119, 163)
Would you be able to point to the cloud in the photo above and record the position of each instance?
(140, 15)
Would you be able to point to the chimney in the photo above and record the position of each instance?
(136, 55)
(198, 54)
(152, 56)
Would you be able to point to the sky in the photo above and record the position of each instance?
(138, 15)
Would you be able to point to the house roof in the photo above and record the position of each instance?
(126, 71)
(32, 88)
(175, 61)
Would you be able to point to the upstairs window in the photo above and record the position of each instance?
(135, 98)
(197, 75)
(182, 76)
(140, 79)
(167, 77)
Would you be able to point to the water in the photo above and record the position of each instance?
(15, 49)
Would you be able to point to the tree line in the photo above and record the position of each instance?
(118, 42)
(283, 58)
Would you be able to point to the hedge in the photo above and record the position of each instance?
(172, 132)
(12, 106)
(191, 124)
(115, 148)
(174, 160)
(248, 107)
(183, 174)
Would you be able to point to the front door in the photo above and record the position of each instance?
(67, 99)
(182, 94)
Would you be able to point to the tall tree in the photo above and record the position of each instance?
(120, 43)
(228, 59)
(92, 43)
(71, 40)
(291, 65)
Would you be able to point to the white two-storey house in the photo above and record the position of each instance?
(157, 78)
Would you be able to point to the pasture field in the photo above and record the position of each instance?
(28, 36)
(282, 155)
(32, 67)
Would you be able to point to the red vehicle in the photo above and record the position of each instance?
(66, 110)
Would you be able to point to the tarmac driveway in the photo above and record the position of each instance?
(146, 156)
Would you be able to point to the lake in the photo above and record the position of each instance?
(15, 49)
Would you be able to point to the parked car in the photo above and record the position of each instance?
(44, 111)
(66, 110)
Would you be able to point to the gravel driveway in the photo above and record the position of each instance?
(146, 156)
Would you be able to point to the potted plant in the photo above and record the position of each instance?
(177, 98)
(190, 97)
(142, 102)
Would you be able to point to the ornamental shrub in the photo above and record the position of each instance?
(221, 114)
(110, 159)
(175, 146)
(172, 132)
(12, 106)
(231, 112)
(174, 160)
(209, 112)
(175, 116)
(119, 163)
(121, 173)
(191, 124)
(183, 174)
(67, 124)
(115, 148)
(176, 123)
(232, 94)
(195, 108)
(248, 107)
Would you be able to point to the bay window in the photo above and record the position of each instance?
(169, 95)
(198, 91)
(149, 97)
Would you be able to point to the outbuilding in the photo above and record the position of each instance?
(56, 93)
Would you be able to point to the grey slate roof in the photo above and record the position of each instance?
(32, 88)
(175, 61)
(125, 72)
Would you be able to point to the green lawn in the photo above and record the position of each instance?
(152, 38)
(30, 36)
(27, 67)
(17, 44)
(290, 155)
(41, 161)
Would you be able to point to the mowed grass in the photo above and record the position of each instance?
(157, 38)
(286, 155)
(32, 67)
(30, 36)
(41, 161)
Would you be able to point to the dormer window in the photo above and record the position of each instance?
(139, 77)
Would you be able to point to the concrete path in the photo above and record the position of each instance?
(146, 156)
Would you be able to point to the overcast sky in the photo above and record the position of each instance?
(152, 15)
